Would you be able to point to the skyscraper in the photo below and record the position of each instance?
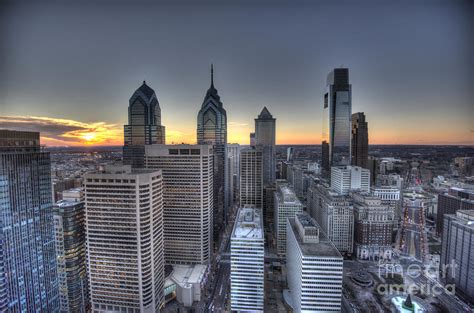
(265, 137)
(124, 214)
(70, 233)
(28, 275)
(233, 153)
(251, 177)
(247, 258)
(212, 130)
(144, 125)
(450, 202)
(350, 178)
(314, 267)
(187, 193)
(359, 140)
(337, 110)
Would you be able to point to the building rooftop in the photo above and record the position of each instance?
(324, 248)
(287, 195)
(188, 274)
(248, 223)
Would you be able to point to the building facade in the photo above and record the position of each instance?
(265, 133)
(70, 235)
(124, 218)
(350, 178)
(188, 200)
(287, 205)
(27, 251)
(337, 111)
(233, 156)
(452, 201)
(247, 259)
(315, 267)
(144, 125)
(251, 177)
(359, 140)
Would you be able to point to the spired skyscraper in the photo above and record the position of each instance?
(337, 110)
(212, 130)
(28, 275)
(144, 126)
(359, 140)
(265, 136)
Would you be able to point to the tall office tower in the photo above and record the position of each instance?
(372, 166)
(337, 110)
(287, 206)
(350, 178)
(265, 133)
(290, 154)
(70, 234)
(412, 237)
(452, 201)
(359, 140)
(373, 227)
(251, 177)
(187, 193)
(144, 125)
(212, 130)
(233, 153)
(335, 214)
(457, 252)
(315, 267)
(253, 140)
(28, 275)
(247, 259)
(124, 229)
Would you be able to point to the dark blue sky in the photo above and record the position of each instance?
(411, 64)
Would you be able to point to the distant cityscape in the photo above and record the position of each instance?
(220, 227)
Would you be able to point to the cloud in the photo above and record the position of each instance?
(236, 124)
(56, 131)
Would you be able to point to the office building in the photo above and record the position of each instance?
(251, 177)
(265, 133)
(253, 141)
(124, 218)
(350, 178)
(212, 130)
(359, 140)
(187, 194)
(452, 201)
(373, 227)
(247, 259)
(314, 268)
(457, 252)
(70, 235)
(337, 111)
(233, 155)
(144, 125)
(27, 252)
(334, 213)
(287, 205)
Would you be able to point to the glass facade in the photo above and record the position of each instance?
(28, 276)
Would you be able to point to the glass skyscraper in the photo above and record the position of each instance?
(337, 110)
(212, 130)
(360, 140)
(28, 275)
(144, 126)
(265, 136)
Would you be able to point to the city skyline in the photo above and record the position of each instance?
(62, 79)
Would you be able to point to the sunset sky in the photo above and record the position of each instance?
(68, 70)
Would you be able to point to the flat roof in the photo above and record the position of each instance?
(248, 223)
(188, 274)
(324, 248)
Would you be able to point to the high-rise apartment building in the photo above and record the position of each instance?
(359, 140)
(314, 267)
(337, 111)
(251, 177)
(287, 205)
(450, 202)
(70, 234)
(334, 212)
(247, 259)
(350, 178)
(265, 133)
(373, 227)
(187, 194)
(457, 252)
(212, 130)
(144, 125)
(28, 275)
(124, 218)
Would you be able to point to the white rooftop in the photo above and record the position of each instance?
(248, 223)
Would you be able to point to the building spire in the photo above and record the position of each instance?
(212, 75)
